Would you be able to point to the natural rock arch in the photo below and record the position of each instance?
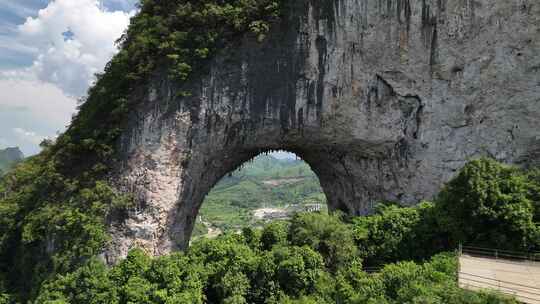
(384, 99)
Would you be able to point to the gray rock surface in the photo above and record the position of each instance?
(385, 99)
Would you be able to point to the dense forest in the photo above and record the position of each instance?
(55, 206)
(320, 258)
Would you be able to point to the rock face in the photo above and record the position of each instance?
(385, 99)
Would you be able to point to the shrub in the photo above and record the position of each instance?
(491, 205)
(396, 233)
(274, 234)
(326, 234)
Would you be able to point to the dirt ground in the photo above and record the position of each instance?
(518, 278)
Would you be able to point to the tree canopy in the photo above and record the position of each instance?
(54, 206)
(311, 258)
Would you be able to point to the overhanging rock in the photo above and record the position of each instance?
(385, 99)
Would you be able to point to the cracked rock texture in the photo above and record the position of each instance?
(385, 99)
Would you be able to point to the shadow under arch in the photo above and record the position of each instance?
(326, 167)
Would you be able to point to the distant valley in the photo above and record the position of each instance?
(264, 189)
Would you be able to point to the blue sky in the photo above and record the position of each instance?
(12, 13)
(15, 12)
(49, 52)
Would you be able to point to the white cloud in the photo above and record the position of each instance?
(125, 5)
(13, 44)
(284, 155)
(72, 63)
(28, 136)
(31, 110)
(19, 8)
(39, 100)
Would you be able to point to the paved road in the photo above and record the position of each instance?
(518, 278)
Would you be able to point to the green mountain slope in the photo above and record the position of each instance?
(9, 157)
(265, 182)
(55, 210)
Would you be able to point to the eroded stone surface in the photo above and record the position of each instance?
(385, 99)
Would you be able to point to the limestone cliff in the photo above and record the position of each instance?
(385, 99)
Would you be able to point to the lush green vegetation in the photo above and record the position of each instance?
(313, 258)
(266, 182)
(488, 194)
(487, 204)
(54, 207)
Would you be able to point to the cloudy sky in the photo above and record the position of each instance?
(49, 52)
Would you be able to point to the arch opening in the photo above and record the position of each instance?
(271, 186)
(343, 185)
